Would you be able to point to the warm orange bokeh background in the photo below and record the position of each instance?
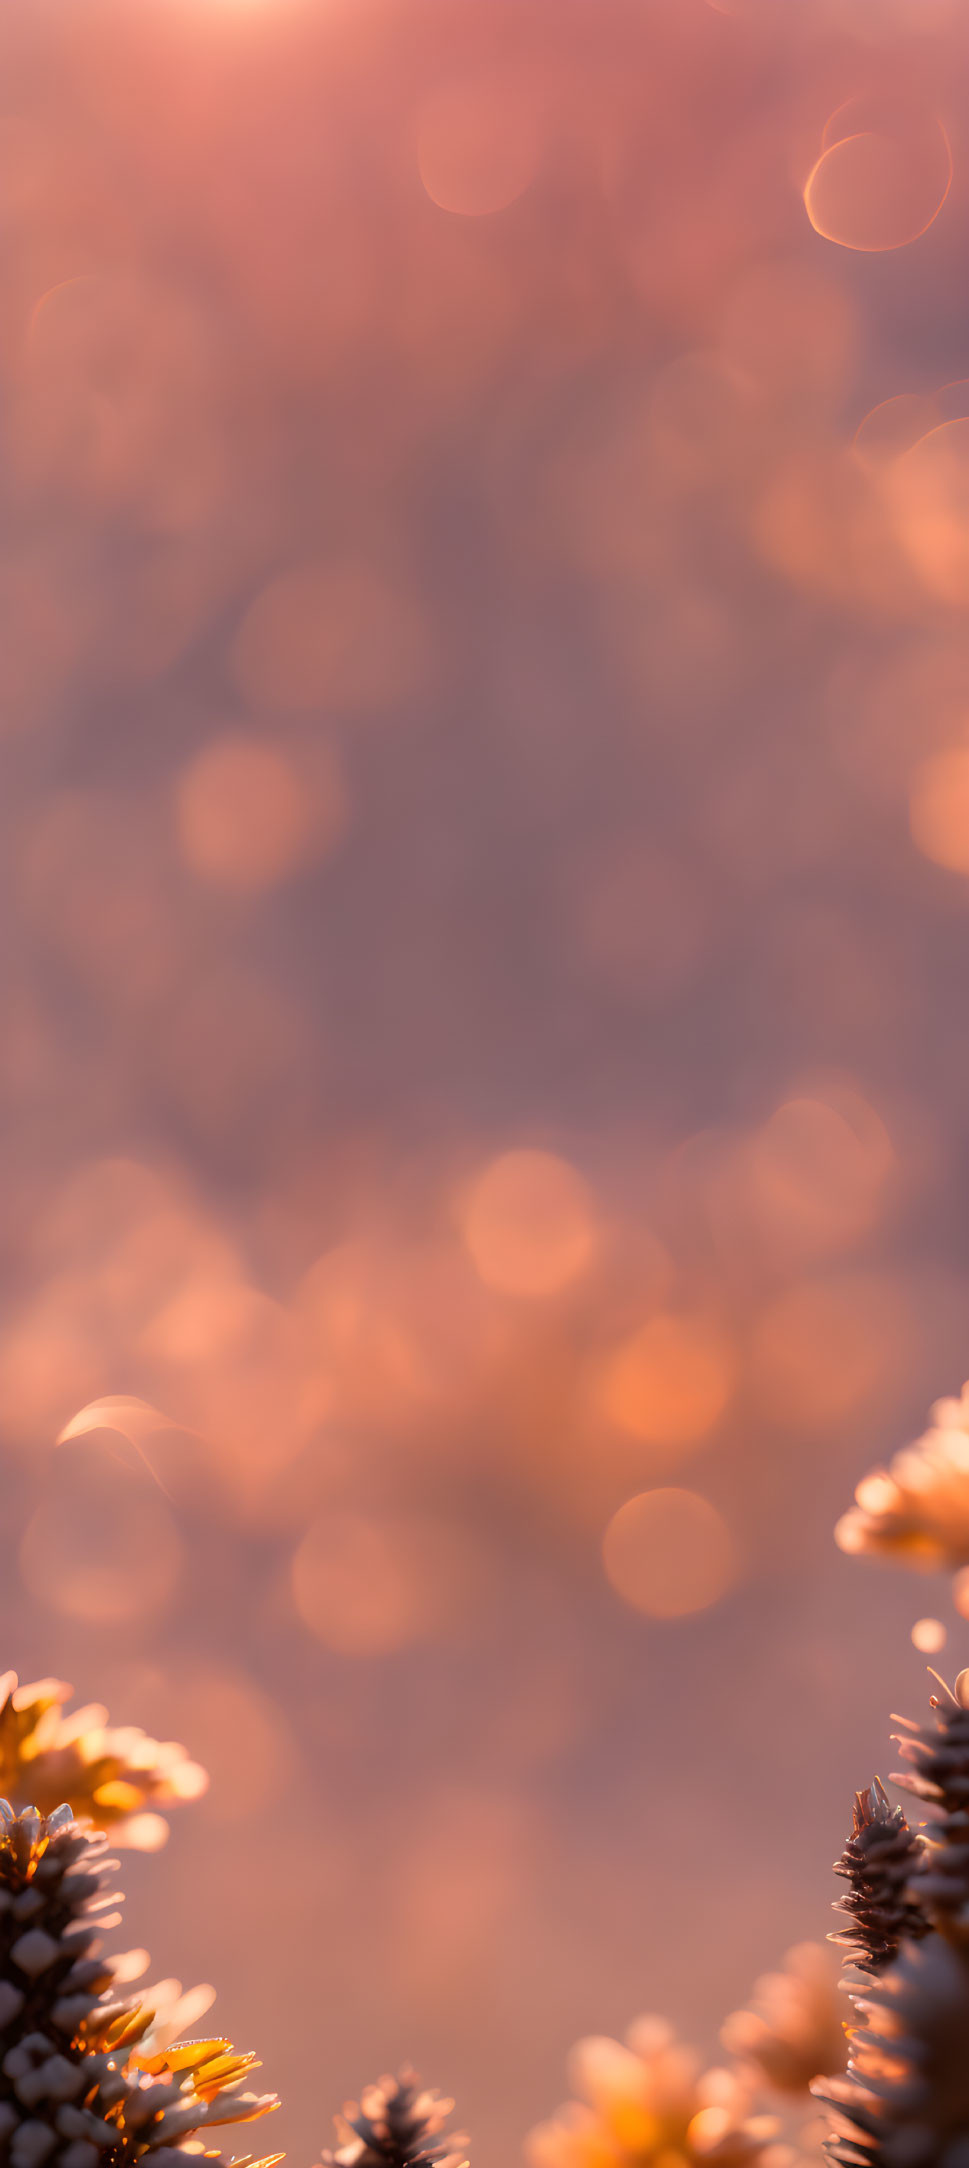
(484, 730)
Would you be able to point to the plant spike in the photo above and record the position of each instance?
(937, 1755)
(395, 2124)
(904, 2101)
(878, 1862)
(75, 2092)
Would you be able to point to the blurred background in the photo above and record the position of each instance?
(484, 789)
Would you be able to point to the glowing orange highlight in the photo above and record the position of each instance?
(671, 1381)
(615, 2082)
(134, 1419)
(478, 145)
(669, 1552)
(929, 1635)
(529, 1224)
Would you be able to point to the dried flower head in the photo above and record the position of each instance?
(117, 1778)
(644, 2102)
(878, 1862)
(80, 2085)
(793, 2030)
(917, 1511)
(396, 2124)
(904, 2102)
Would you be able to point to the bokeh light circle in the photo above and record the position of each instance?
(669, 1552)
(246, 817)
(478, 145)
(929, 1636)
(879, 186)
(670, 1381)
(529, 1223)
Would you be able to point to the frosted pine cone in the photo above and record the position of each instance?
(74, 2090)
(111, 1776)
(396, 2125)
(905, 2100)
(878, 1862)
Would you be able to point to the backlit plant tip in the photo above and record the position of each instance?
(917, 1510)
(397, 2123)
(879, 1862)
(116, 1777)
(81, 2081)
(905, 2095)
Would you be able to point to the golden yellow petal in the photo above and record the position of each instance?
(121, 1798)
(184, 2055)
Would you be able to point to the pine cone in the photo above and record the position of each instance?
(395, 2125)
(905, 2100)
(109, 1776)
(74, 2091)
(879, 1860)
(939, 1773)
